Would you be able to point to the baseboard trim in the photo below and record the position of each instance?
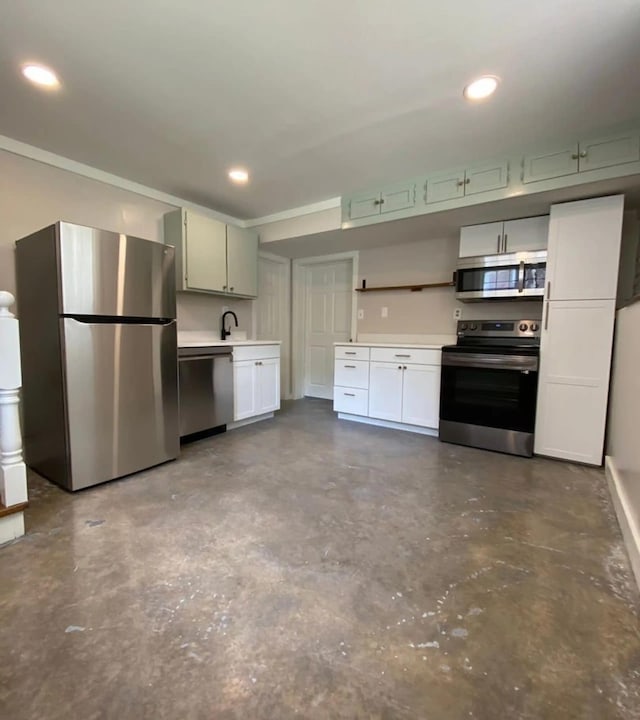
(11, 527)
(389, 424)
(628, 524)
(249, 421)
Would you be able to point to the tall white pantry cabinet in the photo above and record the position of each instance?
(577, 330)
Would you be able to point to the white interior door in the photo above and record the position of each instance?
(328, 297)
(272, 310)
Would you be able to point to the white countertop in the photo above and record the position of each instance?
(391, 345)
(225, 343)
(207, 338)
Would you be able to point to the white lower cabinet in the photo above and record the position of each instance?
(256, 384)
(398, 385)
(385, 391)
(573, 387)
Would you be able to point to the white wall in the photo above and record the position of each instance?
(623, 432)
(34, 195)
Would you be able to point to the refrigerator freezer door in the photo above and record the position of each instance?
(122, 398)
(111, 275)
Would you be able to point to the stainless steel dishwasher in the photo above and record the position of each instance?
(206, 388)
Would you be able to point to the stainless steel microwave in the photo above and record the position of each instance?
(515, 276)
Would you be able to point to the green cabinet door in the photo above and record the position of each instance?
(242, 261)
(448, 186)
(608, 151)
(552, 164)
(398, 197)
(365, 205)
(206, 254)
(485, 178)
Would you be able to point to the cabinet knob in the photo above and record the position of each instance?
(231, 289)
(460, 183)
(574, 156)
(467, 181)
(583, 154)
(399, 367)
(224, 287)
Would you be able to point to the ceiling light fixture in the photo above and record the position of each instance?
(41, 76)
(481, 88)
(239, 176)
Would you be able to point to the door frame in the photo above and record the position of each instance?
(285, 309)
(299, 311)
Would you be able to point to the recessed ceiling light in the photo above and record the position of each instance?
(239, 176)
(481, 88)
(40, 75)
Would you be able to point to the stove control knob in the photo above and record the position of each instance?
(523, 327)
(473, 326)
(535, 327)
(463, 326)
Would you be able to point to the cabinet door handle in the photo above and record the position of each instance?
(504, 243)
(546, 316)
(349, 352)
(548, 289)
(399, 355)
(258, 362)
(224, 287)
(498, 244)
(574, 156)
(350, 394)
(351, 367)
(231, 289)
(467, 181)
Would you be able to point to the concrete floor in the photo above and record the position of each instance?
(313, 568)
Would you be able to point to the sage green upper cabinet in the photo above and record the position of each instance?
(556, 163)
(483, 239)
(527, 234)
(485, 178)
(242, 266)
(580, 157)
(511, 236)
(391, 199)
(212, 256)
(448, 186)
(482, 178)
(605, 152)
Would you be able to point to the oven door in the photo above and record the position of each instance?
(517, 276)
(489, 390)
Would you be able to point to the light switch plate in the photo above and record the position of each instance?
(360, 314)
(457, 314)
(385, 312)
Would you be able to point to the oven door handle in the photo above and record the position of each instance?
(493, 362)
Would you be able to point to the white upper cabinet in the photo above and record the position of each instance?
(527, 234)
(579, 157)
(584, 249)
(523, 235)
(212, 256)
(242, 266)
(447, 186)
(483, 239)
(364, 205)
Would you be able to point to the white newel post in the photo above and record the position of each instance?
(13, 474)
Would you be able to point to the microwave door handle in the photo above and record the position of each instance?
(521, 277)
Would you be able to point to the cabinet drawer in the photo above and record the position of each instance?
(421, 356)
(351, 400)
(349, 352)
(352, 373)
(255, 352)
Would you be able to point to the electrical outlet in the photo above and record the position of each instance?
(385, 312)
(360, 314)
(457, 314)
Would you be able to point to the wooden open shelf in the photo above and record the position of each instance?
(412, 288)
(4, 511)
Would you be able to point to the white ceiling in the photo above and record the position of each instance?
(317, 98)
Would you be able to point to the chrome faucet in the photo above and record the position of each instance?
(224, 333)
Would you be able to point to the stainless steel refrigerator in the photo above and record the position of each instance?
(99, 353)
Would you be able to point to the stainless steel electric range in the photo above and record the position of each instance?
(489, 384)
